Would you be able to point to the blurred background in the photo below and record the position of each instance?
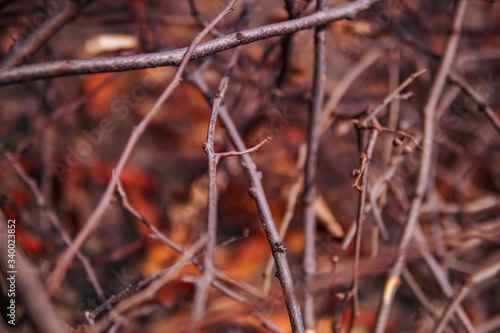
(67, 134)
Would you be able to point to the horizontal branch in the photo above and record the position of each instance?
(174, 57)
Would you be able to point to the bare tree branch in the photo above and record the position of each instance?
(174, 57)
(309, 195)
(204, 281)
(93, 221)
(428, 141)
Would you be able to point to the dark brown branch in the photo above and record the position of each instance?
(174, 57)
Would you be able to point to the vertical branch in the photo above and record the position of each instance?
(256, 191)
(213, 158)
(393, 280)
(309, 263)
(365, 161)
(94, 219)
(392, 122)
(287, 43)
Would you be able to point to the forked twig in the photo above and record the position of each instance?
(256, 191)
(204, 281)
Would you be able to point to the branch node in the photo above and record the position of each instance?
(240, 36)
(280, 247)
(252, 192)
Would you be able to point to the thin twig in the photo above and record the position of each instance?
(93, 221)
(220, 275)
(204, 282)
(246, 151)
(256, 191)
(428, 140)
(174, 57)
(56, 115)
(475, 279)
(365, 161)
(391, 97)
(126, 204)
(346, 81)
(440, 275)
(201, 21)
(417, 291)
(52, 217)
(309, 195)
(482, 103)
(150, 291)
(290, 207)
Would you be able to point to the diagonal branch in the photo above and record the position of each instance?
(53, 219)
(174, 57)
(256, 191)
(94, 219)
